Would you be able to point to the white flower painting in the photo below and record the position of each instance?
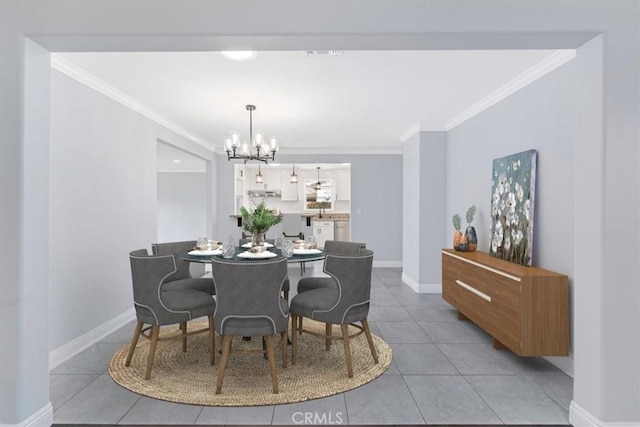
(512, 201)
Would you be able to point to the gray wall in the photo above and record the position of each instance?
(411, 208)
(103, 189)
(540, 116)
(182, 210)
(607, 384)
(376, 199)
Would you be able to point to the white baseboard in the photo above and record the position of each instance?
(387, 264)
(422, 288)
(580, 417)
(565, 364)
(74, 347)
(42, 418)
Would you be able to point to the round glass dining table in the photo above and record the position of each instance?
(302, 258)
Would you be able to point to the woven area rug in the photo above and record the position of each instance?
(188, 377)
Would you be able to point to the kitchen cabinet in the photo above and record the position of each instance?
(323, 231)
(343, 185)
(270, 179)
(290, 191)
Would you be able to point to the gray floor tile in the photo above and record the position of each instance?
(154, 411)
(64, 387)
(454, 333)
(122, 335)
(389, 314)
(101, 402)
(479, 359)
(385, 400)
(558, 386)
(421, 359)
(402, 332)
(409, 297)
(251, 415)
(517, 401)
(93, 360)
(392, 369)
(373, 327)
(385, 299)
(449, 399)
(329, 410)
(432, 313)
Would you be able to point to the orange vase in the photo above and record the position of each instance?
(464, 244)
(456, 239)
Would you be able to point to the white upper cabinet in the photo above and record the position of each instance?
(343, 184)
(290, 191)
(272, 178)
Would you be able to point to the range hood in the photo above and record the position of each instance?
(264, 193)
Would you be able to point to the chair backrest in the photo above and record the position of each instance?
(352, 272)
(148, 273)
(248, 294)
(345, 248)
(175, 249)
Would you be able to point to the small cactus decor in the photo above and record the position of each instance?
(457, 235)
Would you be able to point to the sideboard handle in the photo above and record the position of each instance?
(473, 290)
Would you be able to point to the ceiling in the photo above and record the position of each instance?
(360, 99)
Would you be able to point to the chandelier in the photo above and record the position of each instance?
(260, 149)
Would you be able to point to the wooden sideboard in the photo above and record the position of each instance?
(525, 309)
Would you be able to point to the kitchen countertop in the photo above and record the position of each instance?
(329, 217)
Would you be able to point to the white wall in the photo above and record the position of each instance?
(411, 209)
(103, 204)
(540, 116)
(182, 210)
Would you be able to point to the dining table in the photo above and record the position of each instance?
(301, 256)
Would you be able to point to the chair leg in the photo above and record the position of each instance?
(155, 330)
(183, 328)
(226, 348)
(300, 325)
(327, 332)
(284, 336)
(134, 342)
(294, 339)
(286, 295)
(212, 340)
(372, 347)
(272, 363)
(347, 349)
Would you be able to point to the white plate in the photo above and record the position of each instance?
(306, 251)
(266, 245)
(257, 255)
(207, 252)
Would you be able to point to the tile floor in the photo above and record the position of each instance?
(444, 372)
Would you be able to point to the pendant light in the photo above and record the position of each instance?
(259, 176)
(318, 184)
(294, 177)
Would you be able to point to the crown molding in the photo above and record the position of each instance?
(60, 64)
(339, 150)
(543, 67)
(409, 133)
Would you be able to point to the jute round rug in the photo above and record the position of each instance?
(188, 377)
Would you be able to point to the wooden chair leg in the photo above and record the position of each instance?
(212, 341)
(134, 342)
(286, 295)
(347, 349)
(294, 339)
(327, 332)
(226, 348)
(300, 325)
(272, 363)
(183, 328)
(155, 330)
(284, 336)
(372, 347)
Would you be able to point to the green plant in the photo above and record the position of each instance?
(457, 222)
(470, 213)
(260, 219)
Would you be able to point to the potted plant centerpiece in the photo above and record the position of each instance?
(257, 221)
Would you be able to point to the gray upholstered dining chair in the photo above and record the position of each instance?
(287, 286)
(182, 277)
(249, 304)
(342, 305)
(158, 304)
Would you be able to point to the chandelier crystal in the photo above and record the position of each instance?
(259, 150)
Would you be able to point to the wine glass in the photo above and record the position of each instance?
(279, 242)
(228, 247)
(312, 242)
(287, 248)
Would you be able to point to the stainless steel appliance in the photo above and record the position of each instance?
(342, 231)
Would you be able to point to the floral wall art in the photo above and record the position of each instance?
(513, 185)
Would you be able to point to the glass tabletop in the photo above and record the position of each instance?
(292, 259)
